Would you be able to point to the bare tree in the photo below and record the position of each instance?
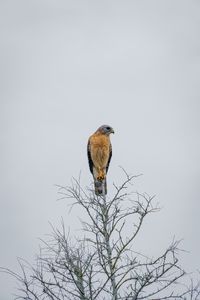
(103, 263)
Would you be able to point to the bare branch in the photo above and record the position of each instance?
(102, 263)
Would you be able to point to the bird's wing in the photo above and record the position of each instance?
(89, 157)
(109, 159)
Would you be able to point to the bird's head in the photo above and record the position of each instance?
(106, 129)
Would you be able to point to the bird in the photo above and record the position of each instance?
(99, 151)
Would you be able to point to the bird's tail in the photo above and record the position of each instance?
(100, 187)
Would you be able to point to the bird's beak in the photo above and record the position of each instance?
(112, 131)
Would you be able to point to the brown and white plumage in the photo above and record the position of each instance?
(99, 151)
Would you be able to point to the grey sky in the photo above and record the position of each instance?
(68, 67)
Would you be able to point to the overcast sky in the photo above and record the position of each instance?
(68, 67)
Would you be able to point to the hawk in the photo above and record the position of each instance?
(99, 151)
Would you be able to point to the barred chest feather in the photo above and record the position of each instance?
(100, 149)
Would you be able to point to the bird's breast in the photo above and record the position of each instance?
(100, 149)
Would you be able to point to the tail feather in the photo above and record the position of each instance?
(100, 187)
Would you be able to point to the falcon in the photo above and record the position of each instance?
(99, 152)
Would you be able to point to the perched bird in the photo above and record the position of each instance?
(99, 151)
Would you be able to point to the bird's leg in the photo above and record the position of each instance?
(101, 175)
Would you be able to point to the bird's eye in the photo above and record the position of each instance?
(108, 128)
